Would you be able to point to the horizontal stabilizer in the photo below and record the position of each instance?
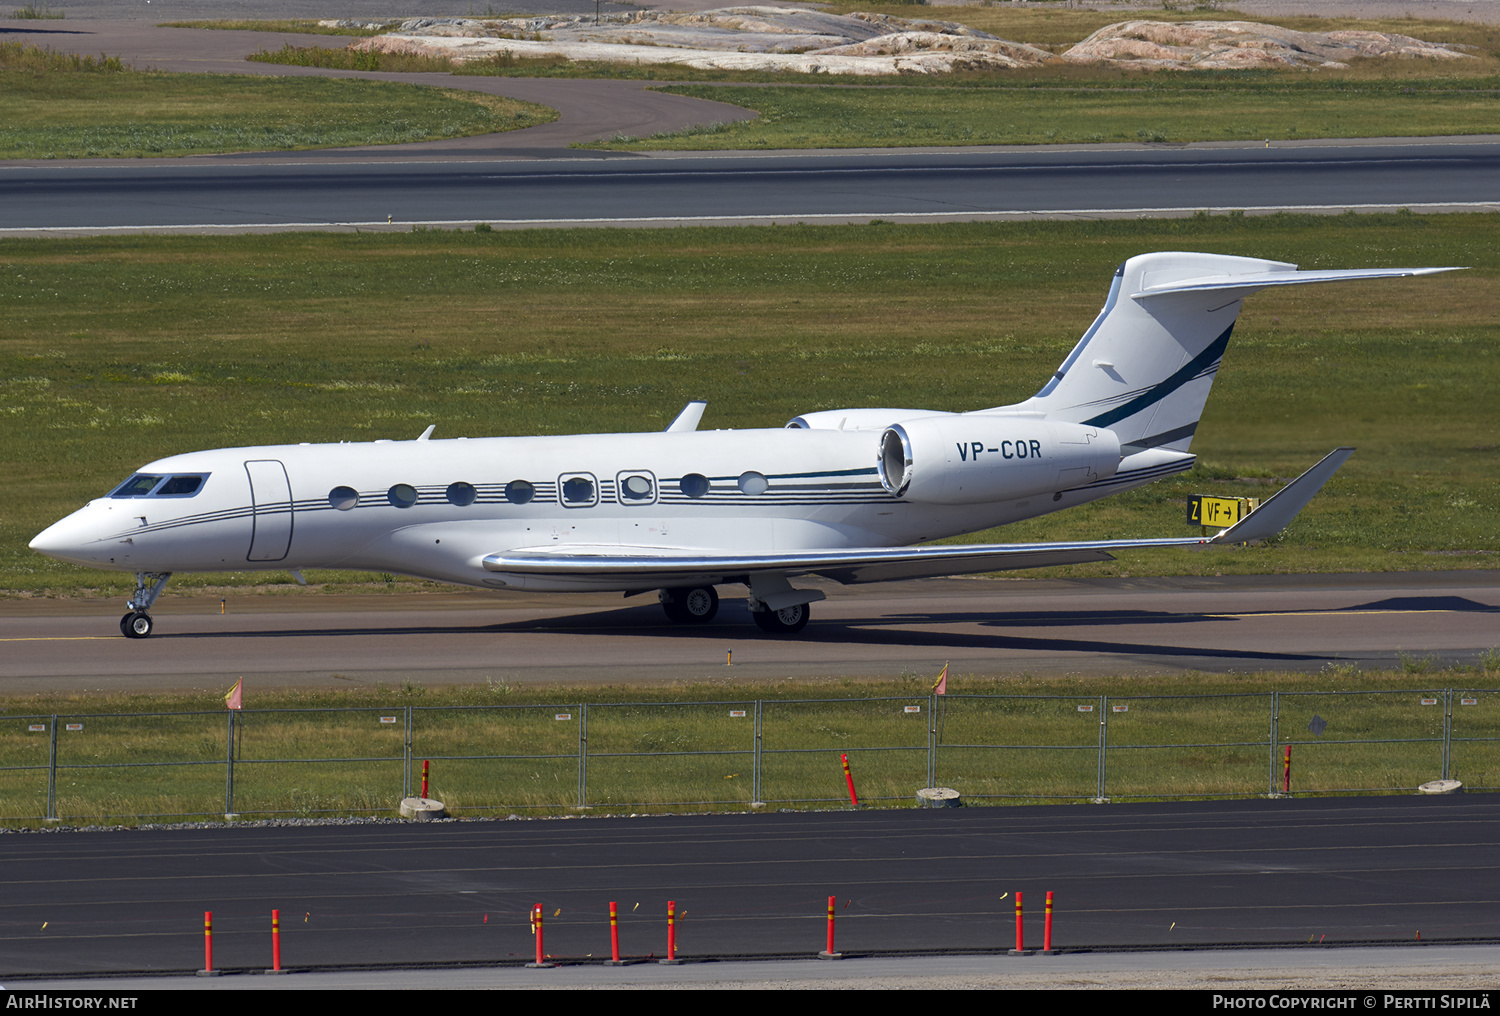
(1259, 280)
(1276, 513)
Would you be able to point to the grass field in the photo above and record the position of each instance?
(116, 351)
(506, 749)
(57, 107)
(1180, 109)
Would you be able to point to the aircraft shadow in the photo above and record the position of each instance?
(901, 631)
(1458, 604)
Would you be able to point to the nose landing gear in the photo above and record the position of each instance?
(148, 586)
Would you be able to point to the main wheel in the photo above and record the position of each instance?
(695, 605)
(786, 621)
(136, 626)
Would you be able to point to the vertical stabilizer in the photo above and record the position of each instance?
(1145, 366)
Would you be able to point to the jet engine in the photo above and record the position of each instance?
(973, 458)
(858, 419)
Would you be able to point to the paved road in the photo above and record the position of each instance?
(1244, 872)
(985, 627)
(531, 177)
(1359, 972)
(307, 191)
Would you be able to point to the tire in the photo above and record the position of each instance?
(787, 621)
(699, 605)
(136, 626)
(693, 605)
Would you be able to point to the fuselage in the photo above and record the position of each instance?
(435, 508)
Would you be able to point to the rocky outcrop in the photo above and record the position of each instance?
(1235, 45)
(815, 42)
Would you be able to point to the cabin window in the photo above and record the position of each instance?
(519, 491)
(693, 485)
(753, 483)
(156, 485)
(402, 495)
(343, 498)
(180, 486)
(461, 494)
(138, 485)
(579, 490)
(636, 488)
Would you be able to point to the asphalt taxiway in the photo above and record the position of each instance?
(990, 627)
(1269, 873)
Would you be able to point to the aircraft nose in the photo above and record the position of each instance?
(68, 540)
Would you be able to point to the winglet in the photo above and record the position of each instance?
(688, 418)
(1277, 512)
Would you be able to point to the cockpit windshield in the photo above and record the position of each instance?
(157, 485)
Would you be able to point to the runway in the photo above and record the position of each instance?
(984, 627)
(1285, 873)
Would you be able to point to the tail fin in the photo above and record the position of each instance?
(1145, 366)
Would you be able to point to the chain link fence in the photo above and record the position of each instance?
(736, 755)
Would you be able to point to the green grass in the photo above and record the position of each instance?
(54, 106)
(673, 747)
(299, 25)
(1174, 109)
(116, 351)
(37, 12)
(349, 60)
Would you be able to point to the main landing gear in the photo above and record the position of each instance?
(694, 605)
(148, 586)
(699, 604)
(786, 621)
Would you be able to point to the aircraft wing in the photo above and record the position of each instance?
(657, 568)
(651, 569)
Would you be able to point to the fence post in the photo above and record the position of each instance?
(1271, 746)
(229, 769)
(932, 740)
(52, 772)
(583, 753)
(406, 759)
(755, 760)
(1103, 742)
(1447, 731)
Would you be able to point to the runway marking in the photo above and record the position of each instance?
(57, 638)
(1337, 613)
(782, 217)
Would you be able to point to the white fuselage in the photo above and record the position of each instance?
(435, 508)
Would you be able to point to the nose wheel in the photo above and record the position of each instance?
(136, 626)
(148, 586)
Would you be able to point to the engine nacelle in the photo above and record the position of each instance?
(858, 419)
(973, 458)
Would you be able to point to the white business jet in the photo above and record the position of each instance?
(839, 494)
